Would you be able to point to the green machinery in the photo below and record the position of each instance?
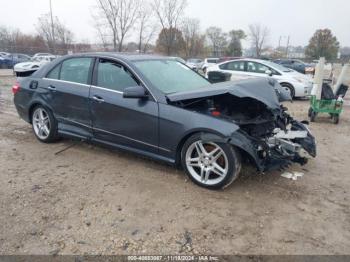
(333, 107)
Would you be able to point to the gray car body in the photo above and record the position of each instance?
(152, 126)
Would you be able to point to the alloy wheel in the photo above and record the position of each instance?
(41, 123)
(206, 162)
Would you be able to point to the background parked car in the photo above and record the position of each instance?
(179, 59)
(208, 62)
(194, 63)
(12, 59)
(42, 54)
(298, 84)
(296, 65)
(2, 54)
(228, 58)
(27, 68)
(3, 62)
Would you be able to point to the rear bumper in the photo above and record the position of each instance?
(22, 111)
(22, 70)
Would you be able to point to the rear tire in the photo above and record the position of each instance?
(211, 165)
(44, 125)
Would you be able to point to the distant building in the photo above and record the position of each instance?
(297, 52)
(297, 55)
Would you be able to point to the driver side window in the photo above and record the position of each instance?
(114, 76)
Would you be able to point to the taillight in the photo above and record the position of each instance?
(16, 88)
(215, 113)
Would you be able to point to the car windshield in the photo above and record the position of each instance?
(170, 76)
(277, 66)
(194, 60)
(36, 59)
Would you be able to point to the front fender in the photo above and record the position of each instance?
(177, 124)
(240, 141)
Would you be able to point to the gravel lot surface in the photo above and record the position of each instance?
(90, 200)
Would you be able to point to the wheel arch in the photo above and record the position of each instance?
(186, 136)
(284, 83)
(33, 105)
(237, 140)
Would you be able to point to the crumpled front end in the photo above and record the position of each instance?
(267, 134)
(294, 144)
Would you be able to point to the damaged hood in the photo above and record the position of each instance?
(267, 91)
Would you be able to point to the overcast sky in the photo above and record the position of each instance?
(297, 18)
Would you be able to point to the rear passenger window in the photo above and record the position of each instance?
(114, 76)
(76, 70)
(54, 73)
(234, 66)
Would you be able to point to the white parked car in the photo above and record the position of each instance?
(3, 54)
(27, 68)
(208, 62)
(299, 84)
(179, 59)
(194, 63)
(41, 54)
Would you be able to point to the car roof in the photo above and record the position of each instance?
(261, 61)
(193, 58)
(246, 59)
(123, 56)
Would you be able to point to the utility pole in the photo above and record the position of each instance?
(287, 46)
(279, 42)
(52, 30)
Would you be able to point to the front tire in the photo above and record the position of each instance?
(211, 165)
(44, 125)
(290, 88)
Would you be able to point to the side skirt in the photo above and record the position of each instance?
(68, 134)
(133, 150)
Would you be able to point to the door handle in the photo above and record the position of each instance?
(50, 87)
(98, 99)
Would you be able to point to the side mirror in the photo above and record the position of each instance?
(268, 72)
(134, 92)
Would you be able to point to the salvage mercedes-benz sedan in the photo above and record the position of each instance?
(159, 107)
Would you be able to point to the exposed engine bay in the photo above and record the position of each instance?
(271, 132)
